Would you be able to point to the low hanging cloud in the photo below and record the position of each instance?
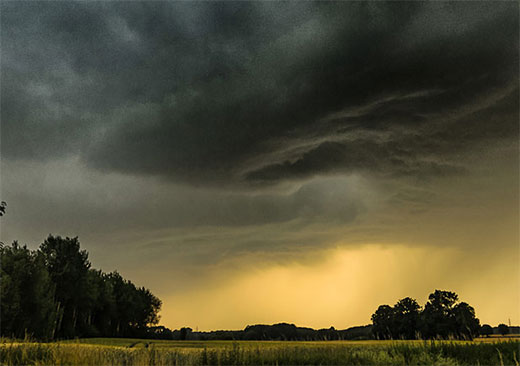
(65, 196)
(248, 94)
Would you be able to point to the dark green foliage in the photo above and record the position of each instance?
(383, 320)
(407, 313)
(184, 333)
(68, 267)
(466, 323)
(53, 293)
(398, 322)
(438, 318)
(130, 309)
(442, 317)
(503, 329)
(27, 303)
(264, 332)
(486, 330)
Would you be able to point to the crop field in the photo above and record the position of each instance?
(117, 351)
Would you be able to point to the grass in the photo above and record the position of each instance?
(113, 351)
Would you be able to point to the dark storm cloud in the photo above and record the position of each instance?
(248, 93)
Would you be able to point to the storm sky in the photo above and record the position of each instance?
(259, 162)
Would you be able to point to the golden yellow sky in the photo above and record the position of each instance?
(345, 287)
(464, 239)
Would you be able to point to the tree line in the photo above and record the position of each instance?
(53, 293)
(290, 332)
(264, 332)
(443, 316)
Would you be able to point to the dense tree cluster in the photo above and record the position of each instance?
(291, 332)
(503, 329)
(54, 293)
(486, 330)
(442, 317)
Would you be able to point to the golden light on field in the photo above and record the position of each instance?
(345, 287)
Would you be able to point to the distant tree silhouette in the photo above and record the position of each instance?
(398, 322)
(438, 319)
(503, 329)
(384, 322)
(407, 314)
(486, 330)
(467, 324)
(184, 333)
(442, 317)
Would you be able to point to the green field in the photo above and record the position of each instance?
(117, 351)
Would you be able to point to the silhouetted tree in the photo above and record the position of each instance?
(486, 330)
(442, 317)
(384, 322)
(438, 319)
(407, 314)
(106, 310)
(148, 312)
(503, 329)
(467, 324)
(184, 333)
(68, 267)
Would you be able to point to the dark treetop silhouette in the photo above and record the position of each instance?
(442, 317)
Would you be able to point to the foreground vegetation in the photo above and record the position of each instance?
(145, 352)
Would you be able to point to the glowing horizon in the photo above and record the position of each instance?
(342, 291)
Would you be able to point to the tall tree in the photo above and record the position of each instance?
(148, 313)
(68, 267)
(27, 301)
(407, 314)
(438, 319)
(105, 311)
(384, 322)
(468, 326)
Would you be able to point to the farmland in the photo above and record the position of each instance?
(117, 351)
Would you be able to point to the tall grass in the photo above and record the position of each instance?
(392, 353)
